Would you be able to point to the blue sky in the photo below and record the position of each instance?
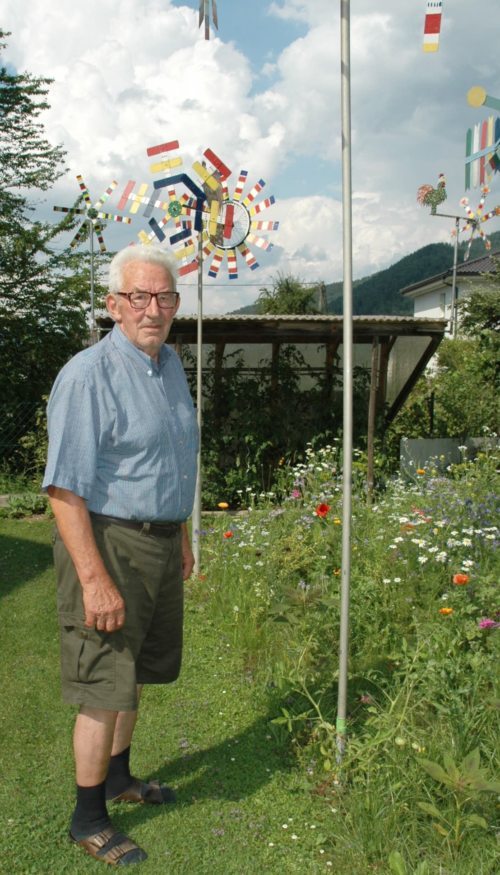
(264, 93)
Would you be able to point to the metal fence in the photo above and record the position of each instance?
(17, 419)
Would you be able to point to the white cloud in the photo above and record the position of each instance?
(132, 73)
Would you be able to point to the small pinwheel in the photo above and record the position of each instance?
(92, 213)
(476, 218)
(205, 16)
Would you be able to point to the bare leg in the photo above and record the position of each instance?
(92, 744)
(124, 728)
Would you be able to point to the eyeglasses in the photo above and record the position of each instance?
(142, 300)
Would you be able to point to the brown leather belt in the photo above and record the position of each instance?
(160, 529)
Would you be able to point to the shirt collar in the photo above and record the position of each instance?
(120, 340)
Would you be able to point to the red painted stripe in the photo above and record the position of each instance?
(432, 23)
(163, 147)
(122, 203)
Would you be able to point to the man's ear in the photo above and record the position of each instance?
(113, 308)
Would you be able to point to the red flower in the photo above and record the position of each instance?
(227, 535)
(460, 579)
(322, 510)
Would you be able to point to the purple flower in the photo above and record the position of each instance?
(487, 623)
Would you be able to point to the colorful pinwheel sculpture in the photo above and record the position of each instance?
(228, 223)
(476, 218)
(93, 215)
(427, 196)
(205, 16)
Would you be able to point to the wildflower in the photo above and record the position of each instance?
(460, 579)
(487, 623)
(228, 534)
(420, 471)
(336, 571)
(445, 611)
(223, 505)
(295, 493)
(337, 521)
(322, 510)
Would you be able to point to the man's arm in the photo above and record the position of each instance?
(187, 553)
(103, 605)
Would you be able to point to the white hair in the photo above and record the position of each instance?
(141, 252)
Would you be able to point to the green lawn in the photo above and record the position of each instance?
(208, 735)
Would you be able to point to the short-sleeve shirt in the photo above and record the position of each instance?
(123, 433)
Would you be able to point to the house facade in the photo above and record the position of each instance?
(435, 297)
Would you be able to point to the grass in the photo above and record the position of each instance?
(247, 735)
(209, 735)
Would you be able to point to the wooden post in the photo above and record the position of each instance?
(372, 412)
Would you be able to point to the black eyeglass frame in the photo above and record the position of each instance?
(151, 296)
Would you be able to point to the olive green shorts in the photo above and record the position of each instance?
(102, 669)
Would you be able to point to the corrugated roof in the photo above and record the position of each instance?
(334, 320)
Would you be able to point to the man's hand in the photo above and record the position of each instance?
(187, 554)
(104, 607)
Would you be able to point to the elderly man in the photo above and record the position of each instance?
(120, 476)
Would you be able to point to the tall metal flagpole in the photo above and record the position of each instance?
(347, 379)
(196, 534)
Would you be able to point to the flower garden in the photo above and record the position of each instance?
(424, 646)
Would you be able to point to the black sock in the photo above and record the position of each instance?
(119, 778)
(90, 815)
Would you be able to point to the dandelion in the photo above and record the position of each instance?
(337, 521)
(460, 579)
(228, 534)
(445, 611)
(322, 510)
(223, 505)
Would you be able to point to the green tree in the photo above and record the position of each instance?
(287, 295)
(42, 292)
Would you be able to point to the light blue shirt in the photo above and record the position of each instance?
(123, 432)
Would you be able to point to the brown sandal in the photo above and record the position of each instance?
(111, 847)
(141, 791)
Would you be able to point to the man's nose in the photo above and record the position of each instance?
(153, 307)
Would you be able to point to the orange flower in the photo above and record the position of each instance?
(460, 579)
(420, 471)
(322, 510)
(228, 535)
(445, 611)
(223, 505)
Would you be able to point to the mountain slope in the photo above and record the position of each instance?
(380, 293)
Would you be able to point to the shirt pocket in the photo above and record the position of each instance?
(87, 656)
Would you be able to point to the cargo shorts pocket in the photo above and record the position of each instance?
(87, 656)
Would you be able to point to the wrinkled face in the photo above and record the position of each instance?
(147, 329)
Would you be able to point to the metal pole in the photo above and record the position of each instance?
(196, 536)
(454, 301)
(347, 380)
(93, 326)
